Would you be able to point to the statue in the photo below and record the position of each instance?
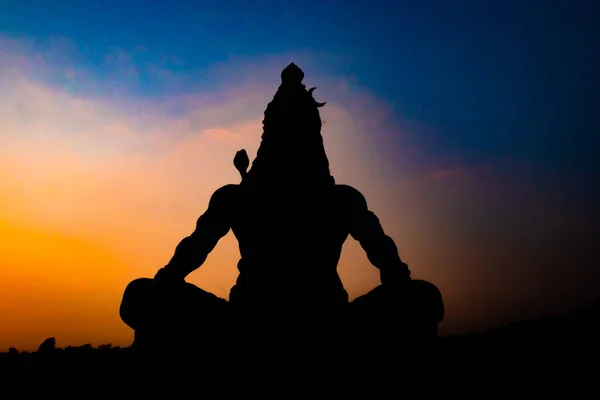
(291, 220)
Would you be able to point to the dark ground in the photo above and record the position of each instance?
(547, 354)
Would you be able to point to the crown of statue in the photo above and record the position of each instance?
(292, 131)
(292, 76)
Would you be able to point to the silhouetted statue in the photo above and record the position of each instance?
(291, 220)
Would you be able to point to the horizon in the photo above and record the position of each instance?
(463, 335)
(119, 121)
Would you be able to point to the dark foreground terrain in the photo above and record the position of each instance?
(552, 351)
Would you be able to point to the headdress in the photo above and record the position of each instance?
(291, 150)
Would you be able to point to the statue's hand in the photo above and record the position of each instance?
(164, 279)
(396, 285)
(396, 295)
(398, 275)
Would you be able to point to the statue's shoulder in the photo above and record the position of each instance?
(349, 196)
(228, 189)
(225, 195)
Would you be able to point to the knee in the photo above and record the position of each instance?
(422, 301)
(135, 297)
(137, 290)
(428, 298)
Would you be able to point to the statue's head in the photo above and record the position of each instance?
(293, 108)
(292, 145)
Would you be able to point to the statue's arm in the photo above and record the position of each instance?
(380, 248)
(193, 250)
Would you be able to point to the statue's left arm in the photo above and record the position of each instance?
(193, 250)
(380, 248)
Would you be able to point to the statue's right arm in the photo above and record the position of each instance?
(193, 250)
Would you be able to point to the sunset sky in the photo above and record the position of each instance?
(471, 127)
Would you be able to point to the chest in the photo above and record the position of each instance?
(277, 219)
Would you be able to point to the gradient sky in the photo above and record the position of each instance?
(470, 126)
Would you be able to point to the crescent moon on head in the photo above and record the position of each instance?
(310, 92)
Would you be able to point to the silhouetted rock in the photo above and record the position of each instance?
(47, 346)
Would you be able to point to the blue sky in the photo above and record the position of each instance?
(489, 78)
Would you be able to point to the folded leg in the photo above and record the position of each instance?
(414, 314)
(182, 315)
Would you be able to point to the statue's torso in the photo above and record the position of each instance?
(290, 245)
